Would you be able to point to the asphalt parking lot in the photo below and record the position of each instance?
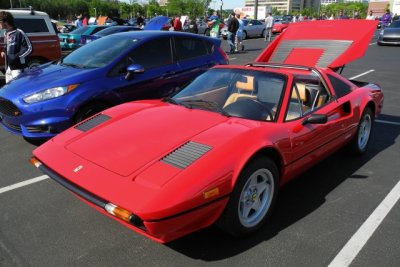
(316, 216)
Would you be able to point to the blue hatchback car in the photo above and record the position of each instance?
(117, 68)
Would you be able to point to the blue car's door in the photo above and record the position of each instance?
(161, 72)
(194, 57)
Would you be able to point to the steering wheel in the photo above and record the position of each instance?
(266, 108)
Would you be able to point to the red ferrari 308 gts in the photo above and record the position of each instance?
(219, 150)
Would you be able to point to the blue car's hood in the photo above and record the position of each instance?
(45, 77)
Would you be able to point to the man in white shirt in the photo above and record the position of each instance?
(269, 22)
(370, 16)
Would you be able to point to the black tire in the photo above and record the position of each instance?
(244, 35)
(34, 62)
(247, 209)
(359, 144)
(263, 34)
(89, 110)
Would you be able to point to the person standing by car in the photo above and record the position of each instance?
(177, 24)
(192, 26)
(371, 15)
(233, 26)
(386, 19)
(17, 48)
(269, 22)
(239, 34)
(214, 25)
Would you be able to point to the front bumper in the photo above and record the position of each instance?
(162, 230)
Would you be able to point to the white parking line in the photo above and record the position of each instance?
(360, 238)
(388, 122)
(24, 183)
(372, 44)
(362, 74)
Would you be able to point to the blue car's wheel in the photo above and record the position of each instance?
(89, 110)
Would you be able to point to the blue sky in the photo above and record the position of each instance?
(228, 4)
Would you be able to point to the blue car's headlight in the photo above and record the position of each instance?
(49, 93)
(381, 32)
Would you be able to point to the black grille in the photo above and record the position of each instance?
(186, 154)
(391, 39)
(8, 108)
(12, 127)
(92, 122)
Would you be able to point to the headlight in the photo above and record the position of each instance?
(381, 32)
(49, 93)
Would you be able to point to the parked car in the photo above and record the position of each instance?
(252, 28)
(72, 40)
(220, 149)
(40, 31)
(390, 35)
(117, 68)
(107, 31)
(279, 26)
(67, 28)
(160, 23)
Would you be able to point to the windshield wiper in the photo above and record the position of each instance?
(72, 65)
(209, 105)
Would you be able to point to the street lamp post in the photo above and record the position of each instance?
(95, 12)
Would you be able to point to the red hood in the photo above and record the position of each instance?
(325, 43)
(138, 138)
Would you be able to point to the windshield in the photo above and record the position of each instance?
(249, 94)
(100, 53)
(108, 31)
(395, 24)
(81, 30)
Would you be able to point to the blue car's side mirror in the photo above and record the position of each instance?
(133, 69)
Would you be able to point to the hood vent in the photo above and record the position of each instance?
(92, 122)
(186, 154)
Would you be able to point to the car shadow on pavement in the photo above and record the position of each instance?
(296, 200)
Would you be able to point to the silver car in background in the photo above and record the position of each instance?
(252, 28)
(390, 35)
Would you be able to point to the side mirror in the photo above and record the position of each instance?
(315, 119)
(133, 69)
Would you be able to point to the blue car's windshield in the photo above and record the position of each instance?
(100, 53)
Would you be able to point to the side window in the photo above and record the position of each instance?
(155, 53)
(32, 25)
(341, 88)
(188, 48)
(307, 95)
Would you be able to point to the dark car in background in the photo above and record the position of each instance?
(72, 40)
(160, 23)
(121, 67)
(107, 31)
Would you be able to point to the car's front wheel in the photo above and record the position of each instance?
(252, 199)
(360, 142)
(89, 110)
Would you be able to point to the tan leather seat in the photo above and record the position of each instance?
(301, 87)
(244, 90)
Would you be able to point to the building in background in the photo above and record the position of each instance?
(163, 2)
(284, 6)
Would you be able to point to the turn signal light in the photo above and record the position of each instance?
(118, 212)
(35, 162)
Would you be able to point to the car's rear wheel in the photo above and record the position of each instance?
(89, 110)
(252, 199)
(244, 35)
(359, 144)
(263, 33)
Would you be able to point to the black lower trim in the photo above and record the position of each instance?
(73, 187)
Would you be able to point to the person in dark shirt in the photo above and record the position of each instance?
(233, 26)
(17, 48)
